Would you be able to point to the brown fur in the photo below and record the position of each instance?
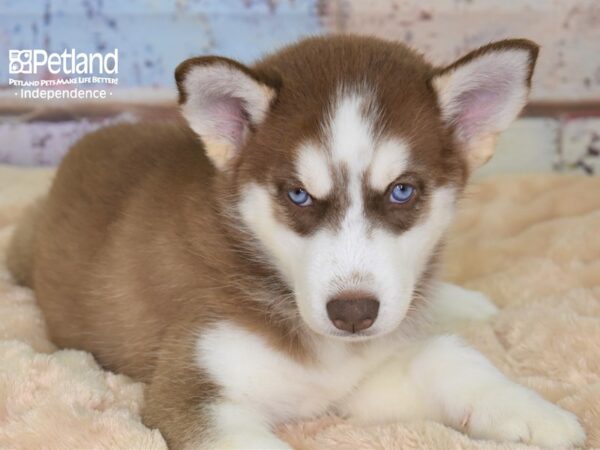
(524, 44)
(139, 248)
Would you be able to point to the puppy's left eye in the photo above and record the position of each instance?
(299, 197)
(402, 193)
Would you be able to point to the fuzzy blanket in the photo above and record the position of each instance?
(531, 243)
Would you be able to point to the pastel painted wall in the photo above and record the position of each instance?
(567, 30)
(153, 36)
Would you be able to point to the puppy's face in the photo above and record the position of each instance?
(347, 156)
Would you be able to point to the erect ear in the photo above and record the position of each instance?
(482, 93)
(223, 101)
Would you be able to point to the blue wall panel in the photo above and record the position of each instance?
(153, 36)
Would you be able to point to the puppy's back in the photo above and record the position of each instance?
(71, 246)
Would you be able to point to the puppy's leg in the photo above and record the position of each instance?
(193, 412)
(451, 304)
(446, 381)
(239, 427)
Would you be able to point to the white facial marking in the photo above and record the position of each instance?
(313, 170)
(392, 263)
(350, 133)
(281, 243)
(356, 255)
(337, 258)
(390, 161)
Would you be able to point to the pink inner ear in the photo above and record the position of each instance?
(229, 117)
(477, 108)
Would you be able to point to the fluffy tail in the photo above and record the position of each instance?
(19, 258)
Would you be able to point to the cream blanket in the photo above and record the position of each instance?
(531, 243)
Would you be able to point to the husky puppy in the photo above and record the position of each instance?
(275, 258)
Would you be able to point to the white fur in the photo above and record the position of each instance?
(332, 259)
(389, 265)
(314, 171)
(452, 303)
(238, 427)
(281, 243)
(446, 381)
(275, 387)
(390, 161)
(321, 265)
(388, 380)
(351, 134)
(355, 256)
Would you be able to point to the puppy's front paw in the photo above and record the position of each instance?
(456, 304)
(513, 413)
(474, 305)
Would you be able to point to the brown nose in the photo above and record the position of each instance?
(353, 311)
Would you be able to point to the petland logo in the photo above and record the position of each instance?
(67, 62)
(51, 76)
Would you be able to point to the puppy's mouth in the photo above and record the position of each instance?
(347, 336)
(358, 336)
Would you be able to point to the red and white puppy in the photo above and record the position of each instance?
(280, 263)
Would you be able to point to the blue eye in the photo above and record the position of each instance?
(300, 197)
(401, 193)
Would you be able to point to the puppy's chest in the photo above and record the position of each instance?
(252, 372)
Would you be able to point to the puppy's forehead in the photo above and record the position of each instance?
(314, 170)
(351, 141)
(349, 128)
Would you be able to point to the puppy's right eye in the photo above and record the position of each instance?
(299, 197)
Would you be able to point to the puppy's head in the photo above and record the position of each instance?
(346, 156)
